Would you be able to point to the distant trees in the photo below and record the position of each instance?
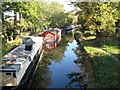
(57, 15)
(9, 27)
(100, 17)
(32, 15)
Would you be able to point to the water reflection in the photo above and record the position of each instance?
(49, 46)
(84, 62)
(76, 80)
(57, 69)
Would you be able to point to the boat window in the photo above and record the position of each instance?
(48, 36)
(14, 74)
(48, 45)
(29, 58)
(8, 73)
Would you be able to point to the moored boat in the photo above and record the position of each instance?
(51, 38)
(20, 61)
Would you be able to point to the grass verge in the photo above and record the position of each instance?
(7, 47)
(112, 47)
(105, 68)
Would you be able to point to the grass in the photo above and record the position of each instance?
(7, 47)
(112, 47)
(105, 68)
(25, 34)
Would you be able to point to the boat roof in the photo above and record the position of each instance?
(67, 26)
(54, 31)
(13, 60)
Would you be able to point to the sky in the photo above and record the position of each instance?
(65, 4)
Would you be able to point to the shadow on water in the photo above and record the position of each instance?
(60, 68)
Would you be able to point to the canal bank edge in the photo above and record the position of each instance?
(87, 65)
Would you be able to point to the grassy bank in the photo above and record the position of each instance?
(110, 44)
(113, 47)
(104, 65)
(7, 47)
(105, 68)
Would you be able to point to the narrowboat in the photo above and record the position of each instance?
(17, 64)
(68, 29)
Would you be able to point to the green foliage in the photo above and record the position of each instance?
(78, 35)
(100, 17)
(112, 47)
(7, 47)
(10, 33)
(25, 34)
(23, 24)
(31, 15)
(57, 15)
(8, 23)
(35, 14)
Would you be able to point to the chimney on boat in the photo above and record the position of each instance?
(28, 43)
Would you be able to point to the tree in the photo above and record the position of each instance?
(98, 17)
(57, 16)
(9, 7)
(34, 15)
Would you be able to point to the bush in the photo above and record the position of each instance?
(78, 35)
(10, 33)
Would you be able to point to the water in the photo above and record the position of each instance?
(57, 68)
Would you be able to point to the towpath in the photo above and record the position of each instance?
(94, 46)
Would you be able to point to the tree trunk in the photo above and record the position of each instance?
(117, 26)
(20, 17)
(98, 34)
(15, 24)
(15, 20)
(20, 30)
(35, 29)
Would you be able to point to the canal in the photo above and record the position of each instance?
(58, 68)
